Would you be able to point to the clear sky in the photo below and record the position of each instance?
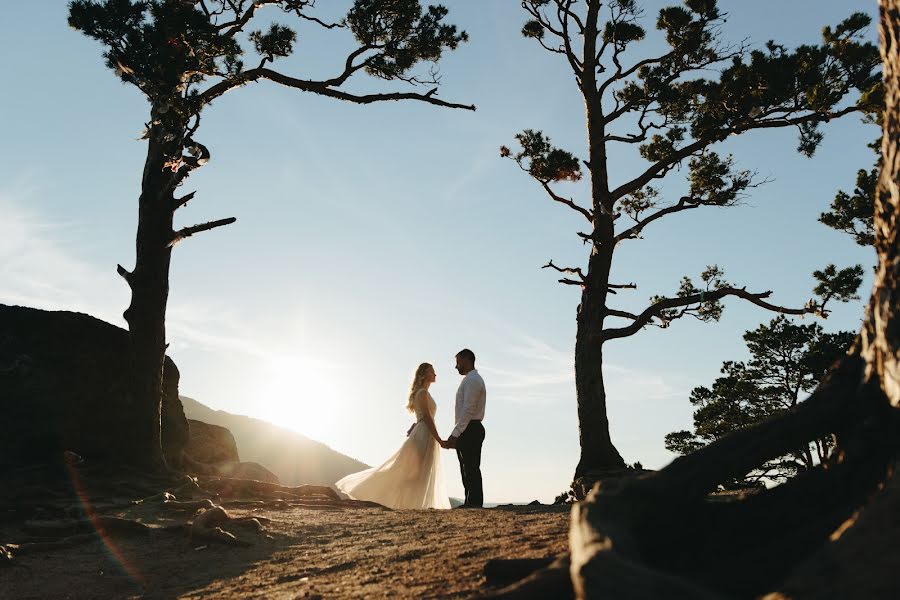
(372, 238)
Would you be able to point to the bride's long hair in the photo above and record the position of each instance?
(417, 384)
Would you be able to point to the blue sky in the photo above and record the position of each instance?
(371, 238)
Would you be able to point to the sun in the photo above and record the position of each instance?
(300, 393)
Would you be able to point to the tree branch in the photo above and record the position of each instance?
(666, 303)
(574, 270)
(320, 22)
(189, 231)
(124, 274)
(240, 20)
(684, 203)
(633, 138)
(320, 88)
(180, 202)
(622, 74)
(568, 202)
(717, 136)
(576, 65)
(565, 6)
(620, 313)
(349, 67)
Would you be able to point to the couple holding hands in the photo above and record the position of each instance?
(412, 477)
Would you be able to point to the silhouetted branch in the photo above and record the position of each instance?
(621, 313)
(574, 270)
(565, 7)
(349, 67)
(240, 20)
(666, 165)
(568, 202)
(179, 202)
(684, 203)
(563, 14)
(644, 128)
(124, 273)
(317, 21)
(321, 88)
(189, 231)
(562, 33)
(668, 303)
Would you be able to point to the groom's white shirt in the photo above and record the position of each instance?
(471, 398)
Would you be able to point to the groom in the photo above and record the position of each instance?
(468, 434)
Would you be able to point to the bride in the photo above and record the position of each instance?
(412, 477)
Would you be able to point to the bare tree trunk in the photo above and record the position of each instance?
(146, 315)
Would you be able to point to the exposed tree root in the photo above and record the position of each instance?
(236, 488)
(661, 535)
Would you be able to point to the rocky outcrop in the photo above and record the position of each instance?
(211, 450)
(210, 443)
(64, 386)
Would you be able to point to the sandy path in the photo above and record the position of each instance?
(334, 553)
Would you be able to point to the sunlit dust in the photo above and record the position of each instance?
(302, 394)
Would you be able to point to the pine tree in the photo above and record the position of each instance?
(787, 362)
(676, 108)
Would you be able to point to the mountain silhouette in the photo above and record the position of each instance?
(292, 456)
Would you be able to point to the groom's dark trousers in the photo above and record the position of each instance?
(468, 450)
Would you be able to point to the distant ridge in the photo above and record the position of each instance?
(292, 456)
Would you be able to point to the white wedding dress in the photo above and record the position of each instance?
(411, 478)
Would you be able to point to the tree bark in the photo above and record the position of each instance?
(146, 315)
(597, 450)
(881, 331)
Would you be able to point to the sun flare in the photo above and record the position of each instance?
(302, 394)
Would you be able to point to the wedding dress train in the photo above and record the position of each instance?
(411, 478)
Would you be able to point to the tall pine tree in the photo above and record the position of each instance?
(674, 108)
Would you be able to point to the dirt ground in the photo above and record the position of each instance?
(358, 552)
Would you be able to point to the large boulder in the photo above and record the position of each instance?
(211, 450)
(210, 443)
(64, 386)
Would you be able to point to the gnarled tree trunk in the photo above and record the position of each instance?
(146, 315)
(598, 454)
(881, 333)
